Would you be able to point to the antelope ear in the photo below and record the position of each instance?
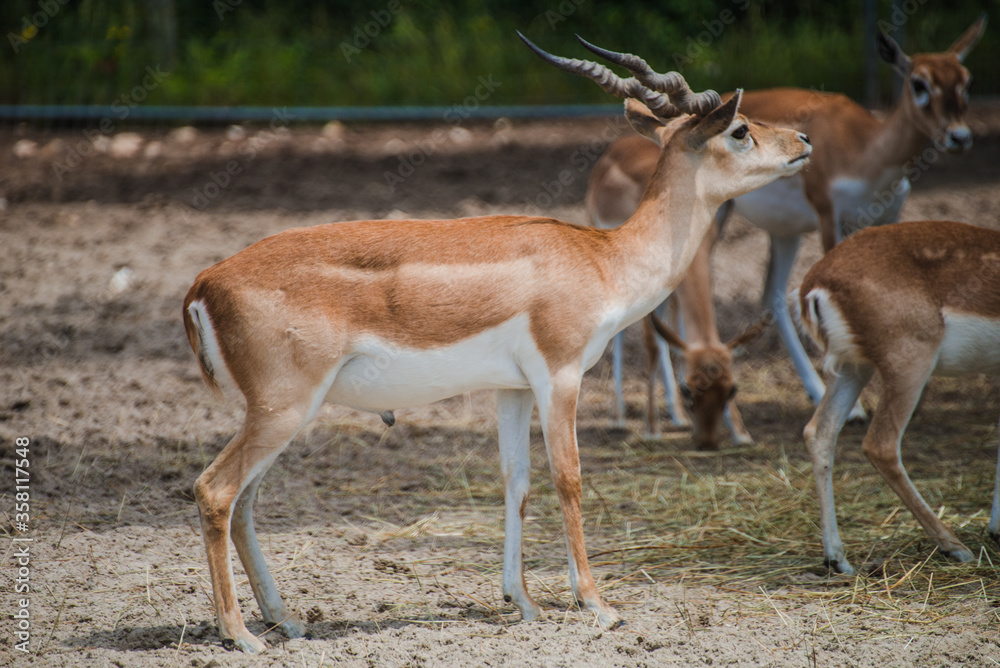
(669, 335)
(891, 53)
(964, 44)
(751, 332)
(643, 121)
(718, 120)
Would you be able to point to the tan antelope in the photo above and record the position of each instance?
(908, 301)
(380, 315)
(859, 173)
(709, 390)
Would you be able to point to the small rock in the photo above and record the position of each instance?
(126, 145)
(334, 130)
(460, 135)
(183, 135)
(121, 281)
(25, 148)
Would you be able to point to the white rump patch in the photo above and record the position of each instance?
(209, 346)
(827, 326)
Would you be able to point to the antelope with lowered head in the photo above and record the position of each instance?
(517, 304)
(908, 301)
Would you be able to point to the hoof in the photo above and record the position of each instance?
(962, 555)
(841, 566)
(609, 621)
(291, 627)
(531, 614)
(248, 644)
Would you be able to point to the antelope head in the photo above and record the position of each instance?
(936, 92)
(729, 154)
(708, 385)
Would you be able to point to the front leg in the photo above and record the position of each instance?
(514, 425)
(557, 410)
(783, 252)
(734, 420)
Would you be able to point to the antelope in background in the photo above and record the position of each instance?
(909, 301)
(517, 304)
(858, 175)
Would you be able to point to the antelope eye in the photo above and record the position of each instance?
(740, 132)
(921, 92)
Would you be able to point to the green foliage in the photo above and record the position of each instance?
(396, 52)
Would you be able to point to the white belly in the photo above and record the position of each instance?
(971, 345)
(380, 376)
(859, 204)
(779, 208)
(782, 209)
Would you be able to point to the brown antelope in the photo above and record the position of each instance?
(709, 389)
(615, 189)
(379, 315)
(908, 301)
(860, 171)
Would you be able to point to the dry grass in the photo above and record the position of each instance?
(741, 522)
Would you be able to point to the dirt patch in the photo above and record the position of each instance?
(389, 541)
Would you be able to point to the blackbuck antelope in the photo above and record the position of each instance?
(859, 174)
(908, 301)
(512, 303)
(709, 389)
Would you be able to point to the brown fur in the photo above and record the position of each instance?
(289, 309)
(892, 287)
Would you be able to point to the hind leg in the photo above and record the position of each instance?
(821, 433)
(903, 386)
(264, 434)
(272, 607)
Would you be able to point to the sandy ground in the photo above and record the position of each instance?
(389, 541)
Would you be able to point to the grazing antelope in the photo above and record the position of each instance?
(615, 189)
(379, 315)
(908, 301)
(859, 173)
(709, 388)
